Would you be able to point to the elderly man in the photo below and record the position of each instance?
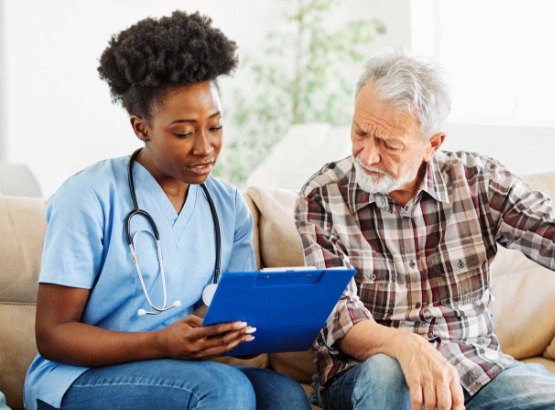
(413, 329)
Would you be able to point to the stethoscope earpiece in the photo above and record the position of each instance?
(130, 241)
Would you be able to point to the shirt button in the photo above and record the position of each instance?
(373, 276)
(461, 263)
(418, 305)
(412, 264)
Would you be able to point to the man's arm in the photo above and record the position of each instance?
(523, 219)
(431, 379)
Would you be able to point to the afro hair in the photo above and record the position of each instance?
(153, 55)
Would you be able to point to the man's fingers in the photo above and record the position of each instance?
(457, 395)
(444, 395)
(430, 394)
(415, 390)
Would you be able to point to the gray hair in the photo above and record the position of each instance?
(409, 84)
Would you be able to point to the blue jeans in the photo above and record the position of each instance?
(174, 384)
(379, 383)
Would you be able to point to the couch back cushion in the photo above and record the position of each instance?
(22, 229)
(280, 244)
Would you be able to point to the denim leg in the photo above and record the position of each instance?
(274, 391)
(520, 386)
(160, 384)
(378, 383)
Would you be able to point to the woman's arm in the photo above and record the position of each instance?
(62, 337)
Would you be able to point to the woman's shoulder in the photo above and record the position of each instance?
(99, 176)
(221, 190)
(98, 182)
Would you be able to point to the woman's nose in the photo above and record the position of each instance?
(202, 146)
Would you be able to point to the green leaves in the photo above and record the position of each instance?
(302, 79)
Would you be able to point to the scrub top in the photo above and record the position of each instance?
(86, 247)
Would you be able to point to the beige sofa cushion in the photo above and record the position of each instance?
(524, 306)
(22, 229)
(280, 243)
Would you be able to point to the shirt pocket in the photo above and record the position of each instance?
(375, 281)
(460, 274)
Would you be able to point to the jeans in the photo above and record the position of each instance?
(379, 383)
(174, 384)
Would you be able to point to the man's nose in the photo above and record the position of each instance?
(370, 154)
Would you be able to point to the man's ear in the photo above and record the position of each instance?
(140, 128)
(433, 145)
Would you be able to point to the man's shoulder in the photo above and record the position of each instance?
(450, 159)
(338, 173)
(463, 164)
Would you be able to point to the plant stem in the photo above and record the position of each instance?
(298, 62)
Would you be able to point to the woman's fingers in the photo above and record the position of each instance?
(225, 346)
(188, 339)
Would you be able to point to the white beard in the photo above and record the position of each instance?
(382, 183)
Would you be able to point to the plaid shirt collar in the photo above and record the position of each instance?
(433, 184)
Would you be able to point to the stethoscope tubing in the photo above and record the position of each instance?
(130, 241)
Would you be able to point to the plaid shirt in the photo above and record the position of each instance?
(424, 267)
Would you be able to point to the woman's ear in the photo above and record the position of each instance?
(140, 128)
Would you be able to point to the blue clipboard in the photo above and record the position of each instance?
(287, 307)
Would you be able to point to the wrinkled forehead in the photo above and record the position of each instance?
(381, 117)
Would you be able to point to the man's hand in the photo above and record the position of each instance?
(186, 339)
(433, 382)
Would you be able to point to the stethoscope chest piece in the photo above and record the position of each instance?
(208, 293)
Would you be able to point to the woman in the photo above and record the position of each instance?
(108, 330)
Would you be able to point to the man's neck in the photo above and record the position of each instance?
(408, 191)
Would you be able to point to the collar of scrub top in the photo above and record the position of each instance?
(210, 289)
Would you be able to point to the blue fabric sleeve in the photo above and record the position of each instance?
(73, 246)
(3, 405)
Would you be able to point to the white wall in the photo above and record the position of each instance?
(499, 58)
(59, 117)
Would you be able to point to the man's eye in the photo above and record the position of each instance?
(391, 147)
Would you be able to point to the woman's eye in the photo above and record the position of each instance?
(183, 135)
(215, 129)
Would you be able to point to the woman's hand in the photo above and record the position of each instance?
(186, 339)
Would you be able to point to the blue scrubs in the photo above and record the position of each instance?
(85, 247)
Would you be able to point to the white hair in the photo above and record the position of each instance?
(409, 84)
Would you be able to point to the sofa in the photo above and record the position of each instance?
(523, 311)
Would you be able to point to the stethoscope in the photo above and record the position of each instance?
(209, 290)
